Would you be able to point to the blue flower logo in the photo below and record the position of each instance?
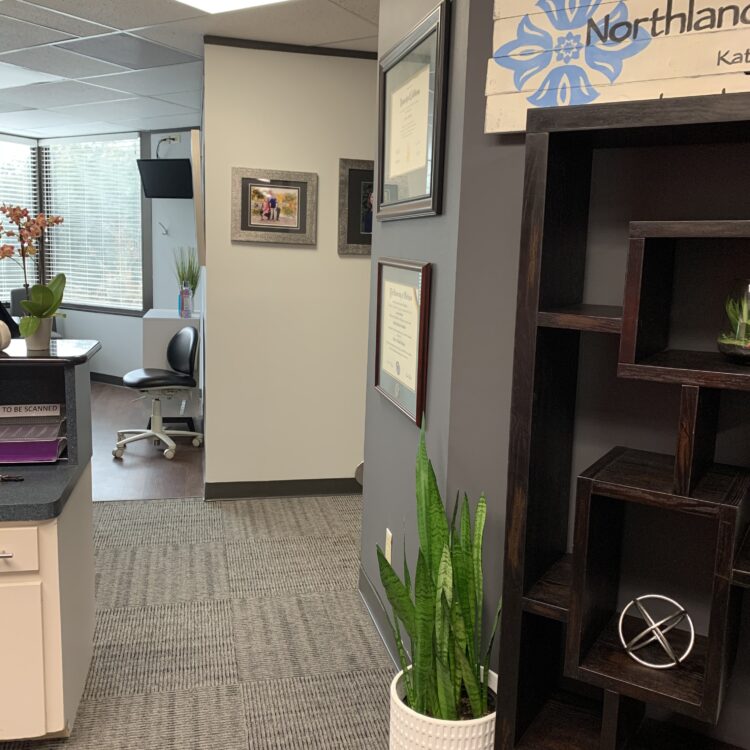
(557, 62)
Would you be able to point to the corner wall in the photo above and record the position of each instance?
(474, 246)
(286, 326)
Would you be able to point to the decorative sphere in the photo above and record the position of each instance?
(4, 336)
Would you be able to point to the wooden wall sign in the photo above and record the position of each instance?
(556, 53)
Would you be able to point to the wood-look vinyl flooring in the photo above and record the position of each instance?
(143, 473)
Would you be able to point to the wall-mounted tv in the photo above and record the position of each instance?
(166, 178)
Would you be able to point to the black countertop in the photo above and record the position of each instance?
(61, 352)
(43, 493)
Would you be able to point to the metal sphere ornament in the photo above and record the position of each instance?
(656, 632)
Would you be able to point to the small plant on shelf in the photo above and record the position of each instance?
(735, 343)
(187, 268)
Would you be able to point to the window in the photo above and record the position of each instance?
(18, 187)
(95, 187)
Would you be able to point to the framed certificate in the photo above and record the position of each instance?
(402, 334)
(413, 95)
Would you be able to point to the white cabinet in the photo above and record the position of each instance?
(22, 692)
(46, 618)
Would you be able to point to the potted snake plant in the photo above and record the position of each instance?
(441, 697)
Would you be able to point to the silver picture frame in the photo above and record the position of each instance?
(297, 225)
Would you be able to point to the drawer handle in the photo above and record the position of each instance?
(5, 555)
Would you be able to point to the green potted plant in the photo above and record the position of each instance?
(441, 697)
(188, 272)
(42, 300)
(735, 343)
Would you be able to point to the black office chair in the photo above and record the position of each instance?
(164, 383)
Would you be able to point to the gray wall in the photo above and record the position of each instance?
(474, 249)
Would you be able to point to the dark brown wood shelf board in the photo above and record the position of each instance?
(595, 318)
(681, 688)
(550, 595)
(708, 369)
(564, 722)
(642, 475)
(656, 735)
(690, 229)
(741, 573)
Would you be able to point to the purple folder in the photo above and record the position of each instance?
(31, 451)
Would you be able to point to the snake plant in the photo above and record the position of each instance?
(448, 673)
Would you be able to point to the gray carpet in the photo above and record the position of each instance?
(234, 626)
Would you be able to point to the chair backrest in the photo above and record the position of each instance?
(16, 295)
(181, 350)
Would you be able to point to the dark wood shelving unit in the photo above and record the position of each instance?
(594, 318)
(558, 638)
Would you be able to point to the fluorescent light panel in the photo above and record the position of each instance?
(223, 6)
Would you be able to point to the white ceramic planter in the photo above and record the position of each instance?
(413, 731)
(39, 340)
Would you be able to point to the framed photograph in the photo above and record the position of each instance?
(411, 122)
(274, 207)
(402, 334)
(356, 198)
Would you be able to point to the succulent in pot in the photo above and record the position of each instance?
(735, 343)
(441, 697)
(41, 307)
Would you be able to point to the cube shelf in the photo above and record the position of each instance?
(557, 637)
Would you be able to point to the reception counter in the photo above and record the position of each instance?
(46, 549)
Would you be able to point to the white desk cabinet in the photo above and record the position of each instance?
(46, 618)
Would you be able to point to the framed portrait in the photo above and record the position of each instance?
(274, 207)
(402, 334)
(411, 121)
(356, 199)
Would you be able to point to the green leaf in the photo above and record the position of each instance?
(431, 521)
(422, 644)
(39, 302)
(403, 608)
(472, 686)
(57, 287)
(443, 598)
(446, 700)
(29, 325)
(480, 517)
(407, 575)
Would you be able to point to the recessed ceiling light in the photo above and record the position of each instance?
(223, 6)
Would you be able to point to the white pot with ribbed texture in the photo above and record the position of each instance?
(413, 731)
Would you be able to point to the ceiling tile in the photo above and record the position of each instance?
(123, 14)
(169, 79)
(190, 120)
(312, 22)
(60, 94)
(80, 128)
(6, 106)
(33, 118)
(50, 19)
(368, 44)
(12, 75)
(192, 99)
(60, 61)
(20, 34)
(367, 9)
(124, 109)
(128, 51)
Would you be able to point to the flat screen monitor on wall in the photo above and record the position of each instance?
(166, 178)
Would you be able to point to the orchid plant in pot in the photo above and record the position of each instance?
(442, 697)
(42, 300)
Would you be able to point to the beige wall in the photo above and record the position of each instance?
(286, 327)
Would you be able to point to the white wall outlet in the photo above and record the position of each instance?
(177, 137)
(388, 544)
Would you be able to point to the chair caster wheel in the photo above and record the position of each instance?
(197, 442)
(169, 454)
(118, 452)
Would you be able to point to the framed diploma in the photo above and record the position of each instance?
(413, 96)
(402, 334)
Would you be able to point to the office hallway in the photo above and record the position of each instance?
(234, 626)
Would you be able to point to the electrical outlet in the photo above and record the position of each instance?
(177, 137)
(388, 544)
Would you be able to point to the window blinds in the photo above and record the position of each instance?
(18, 187)
(95, 187)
